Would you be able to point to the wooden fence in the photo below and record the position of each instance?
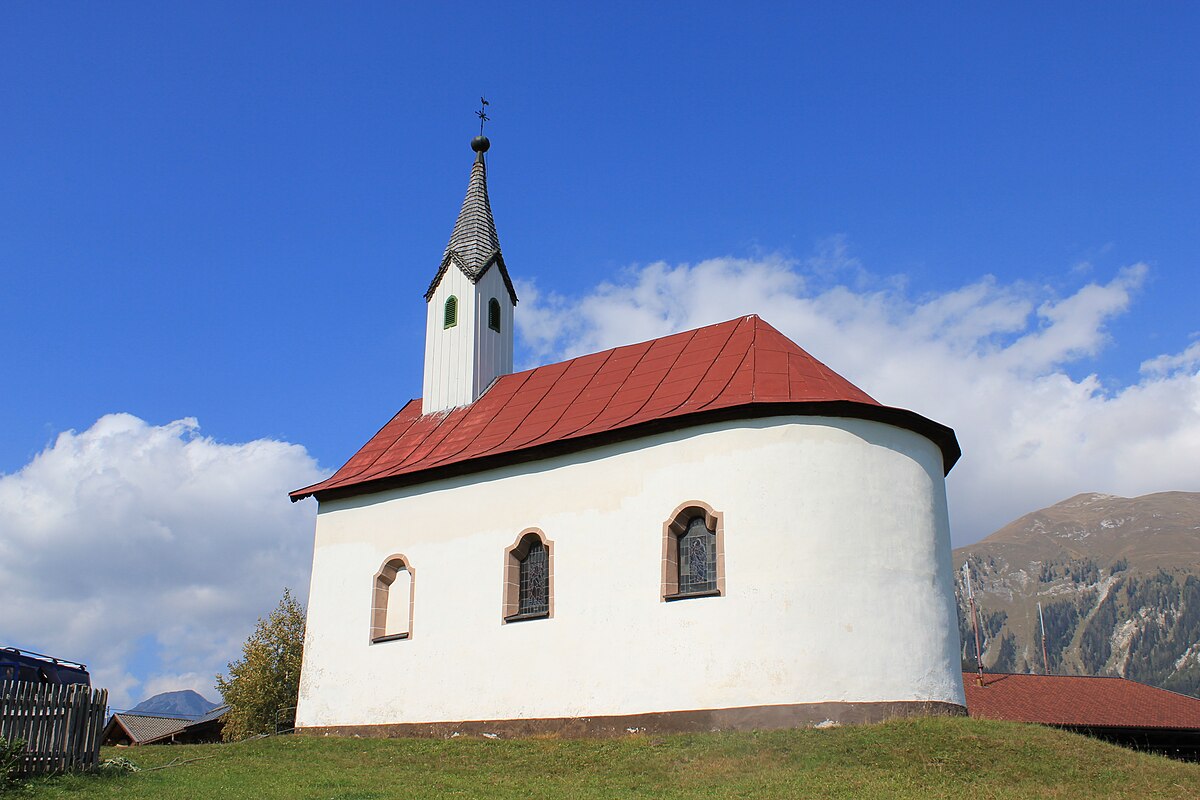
(60, 725)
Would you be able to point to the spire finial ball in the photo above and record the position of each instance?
(480, 144)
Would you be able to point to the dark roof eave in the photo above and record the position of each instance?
(1140, 726)
(162, 736)
(474, 276)
(937, 433)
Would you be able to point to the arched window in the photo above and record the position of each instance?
(451, 312)
(529, 577)
(494, 314)
(693, 553)
(392, 601)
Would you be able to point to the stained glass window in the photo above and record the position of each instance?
(534, 591)
(697, 558)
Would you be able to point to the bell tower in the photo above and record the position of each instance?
(469, 304)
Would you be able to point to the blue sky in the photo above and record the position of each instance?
(231, 212)
(217, 222)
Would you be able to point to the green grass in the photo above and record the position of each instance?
(922, 758)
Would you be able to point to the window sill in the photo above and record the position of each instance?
(528, 615)
(392, 638)
(689, 595)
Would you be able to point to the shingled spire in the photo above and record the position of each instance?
(474, 246)
(469, 305)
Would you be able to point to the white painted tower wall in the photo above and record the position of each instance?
(462, 361)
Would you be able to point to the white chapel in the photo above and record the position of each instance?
(710, 530)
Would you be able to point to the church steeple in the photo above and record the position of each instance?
(469, 304)
(474, 246)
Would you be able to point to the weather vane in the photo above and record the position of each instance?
(482, 114)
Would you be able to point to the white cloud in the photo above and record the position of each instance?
(150, 551)
(988, 359)
(1166, 365)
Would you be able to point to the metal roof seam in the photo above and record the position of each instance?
(700, 379)
(734, 372)
(417, 419)
(648, 346)
(365, 467)
(474, 410)
(657, 384)
(567, 406)
(532, 406)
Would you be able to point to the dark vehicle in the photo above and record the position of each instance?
(23, 665)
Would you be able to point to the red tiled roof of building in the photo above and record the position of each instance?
(1079, 701)
(743, 367)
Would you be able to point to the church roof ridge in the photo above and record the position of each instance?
(740, 368)
(474, 246)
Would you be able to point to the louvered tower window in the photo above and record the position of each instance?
(697, 558)
(451, 312)
(494, 314)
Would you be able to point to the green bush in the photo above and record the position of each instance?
(10, 761)
(267, 677)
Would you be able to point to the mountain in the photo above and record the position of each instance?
(175, 704)
(1119, 583)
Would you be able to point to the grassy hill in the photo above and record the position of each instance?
(937, 757)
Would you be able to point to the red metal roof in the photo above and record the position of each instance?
(743, 367)
(1079, 701)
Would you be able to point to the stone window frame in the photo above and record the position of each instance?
(674, 527)
(380, 588)
(513, 554)
(450, 313)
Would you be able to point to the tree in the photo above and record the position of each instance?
(267, 678)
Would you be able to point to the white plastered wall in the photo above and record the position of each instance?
(838, 582)
(462, 361)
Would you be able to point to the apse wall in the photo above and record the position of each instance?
(838, 598)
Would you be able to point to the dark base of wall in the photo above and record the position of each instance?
(800, 715)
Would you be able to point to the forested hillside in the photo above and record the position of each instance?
(1119, 583)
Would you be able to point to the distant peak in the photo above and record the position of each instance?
(181, 703)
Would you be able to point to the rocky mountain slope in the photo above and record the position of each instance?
(1119, 583)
